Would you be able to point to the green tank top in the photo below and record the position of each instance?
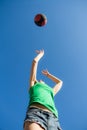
(43, 94)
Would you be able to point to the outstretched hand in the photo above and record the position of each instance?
(45, 72)
(40, 52)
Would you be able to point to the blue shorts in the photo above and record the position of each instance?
(45, 119)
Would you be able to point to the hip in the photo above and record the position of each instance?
(45, 119)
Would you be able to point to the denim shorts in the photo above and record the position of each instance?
(45, 119)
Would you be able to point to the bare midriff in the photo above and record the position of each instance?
(38, 105)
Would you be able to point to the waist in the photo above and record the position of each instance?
(38, 105)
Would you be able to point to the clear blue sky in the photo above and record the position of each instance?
(64, 40)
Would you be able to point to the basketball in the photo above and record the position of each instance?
(40, 20)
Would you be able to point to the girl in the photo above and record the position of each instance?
(42, 113)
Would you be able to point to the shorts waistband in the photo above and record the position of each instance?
(42, 111)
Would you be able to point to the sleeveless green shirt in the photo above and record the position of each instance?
(43, 94)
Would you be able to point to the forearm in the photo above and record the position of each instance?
(34, 66)
(33, 70)
(53, 78)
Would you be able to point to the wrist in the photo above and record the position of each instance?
(48, 74)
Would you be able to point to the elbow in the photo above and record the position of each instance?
(61, 83)
(34, 61)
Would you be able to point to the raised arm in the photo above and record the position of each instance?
(34, 66)
(58, 82)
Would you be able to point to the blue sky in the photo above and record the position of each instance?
(64, 40)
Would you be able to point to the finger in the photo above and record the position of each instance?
(43, 72)
(37, 51)
(46, 69)
(43, 50)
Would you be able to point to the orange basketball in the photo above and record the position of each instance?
(40, 20)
